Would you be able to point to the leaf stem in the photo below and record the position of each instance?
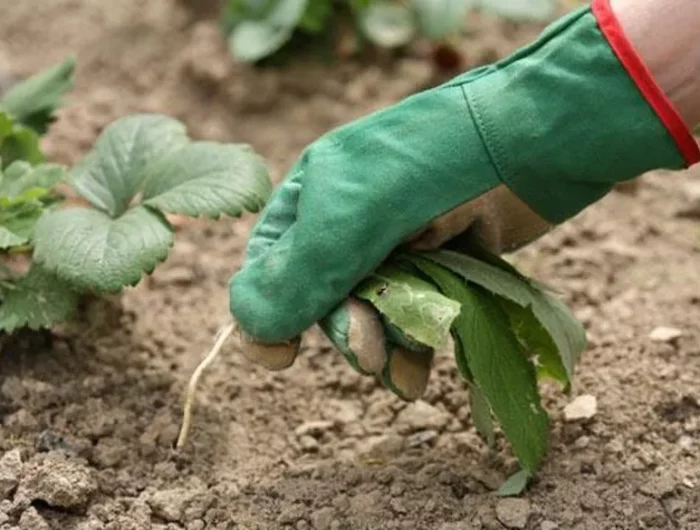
(221, 336)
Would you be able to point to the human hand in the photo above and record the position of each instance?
(500, 154)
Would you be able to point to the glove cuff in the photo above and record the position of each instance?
(567, 117)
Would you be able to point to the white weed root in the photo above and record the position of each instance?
(221, 336)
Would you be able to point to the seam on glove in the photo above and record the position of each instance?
(641, 75)
(493, 146)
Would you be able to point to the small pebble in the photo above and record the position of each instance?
(513, 512)
(582, 408)
(664, 334)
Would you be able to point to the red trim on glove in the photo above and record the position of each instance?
(641, 75)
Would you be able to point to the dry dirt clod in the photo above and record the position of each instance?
(549, 525)
(170, 504)
(582, 408)
(58, 481)
(665, 334)
(10, 470)
(313, 428)
(421, 416)
(513, 513)
(380, 448)
(31, 520)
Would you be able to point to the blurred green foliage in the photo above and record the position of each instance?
(258, 29)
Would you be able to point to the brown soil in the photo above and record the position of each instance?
(89, 413)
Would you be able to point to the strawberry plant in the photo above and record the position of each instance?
(258, 29)
(141, 168)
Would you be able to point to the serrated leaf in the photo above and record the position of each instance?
(449, 283)
(21, 177)
(388, 25)
(566, 332)
(37, 300)
(252, 40)
(536, 341)
(17, 224)
(414, 306)
(521, 10)
(515, 484)
(9, 239)
(481, 414)
(439, 18)
(208, 178)
(92, 251)
(110, 176)
(33, 101)
(502, 372)
(17, 143)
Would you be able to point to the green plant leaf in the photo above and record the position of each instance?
(566, 332)
(448, 283)
(481, 414)
(36, 300)
(253, 40)
(515, 484)
(33, 101)
(388, 25)
(21, 177)
(521, 10)
(92, 251)
(414, 306)
(9, 239)
(17, 142)
(111, 175)
(440, 18)
(536, 341)
(208, 178)
(316, 16)
(503, 373)
(287, 13)
(17, 223)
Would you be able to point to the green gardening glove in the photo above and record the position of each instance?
(505, 151)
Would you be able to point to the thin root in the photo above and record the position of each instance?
(220, 339)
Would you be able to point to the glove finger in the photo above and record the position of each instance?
(279, 214)
(356, 331)
(407, 372)
(271, 356)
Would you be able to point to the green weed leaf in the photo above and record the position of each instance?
(414, 306)
(515, 484)
(481, 414)
(33, 101)
(110, 176)
(208, 178)
(388, 25)
(503, 373)
(92, 251)
(536, 341)
(566, 332)
(36, 301)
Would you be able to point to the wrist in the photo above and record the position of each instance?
(664, 34)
